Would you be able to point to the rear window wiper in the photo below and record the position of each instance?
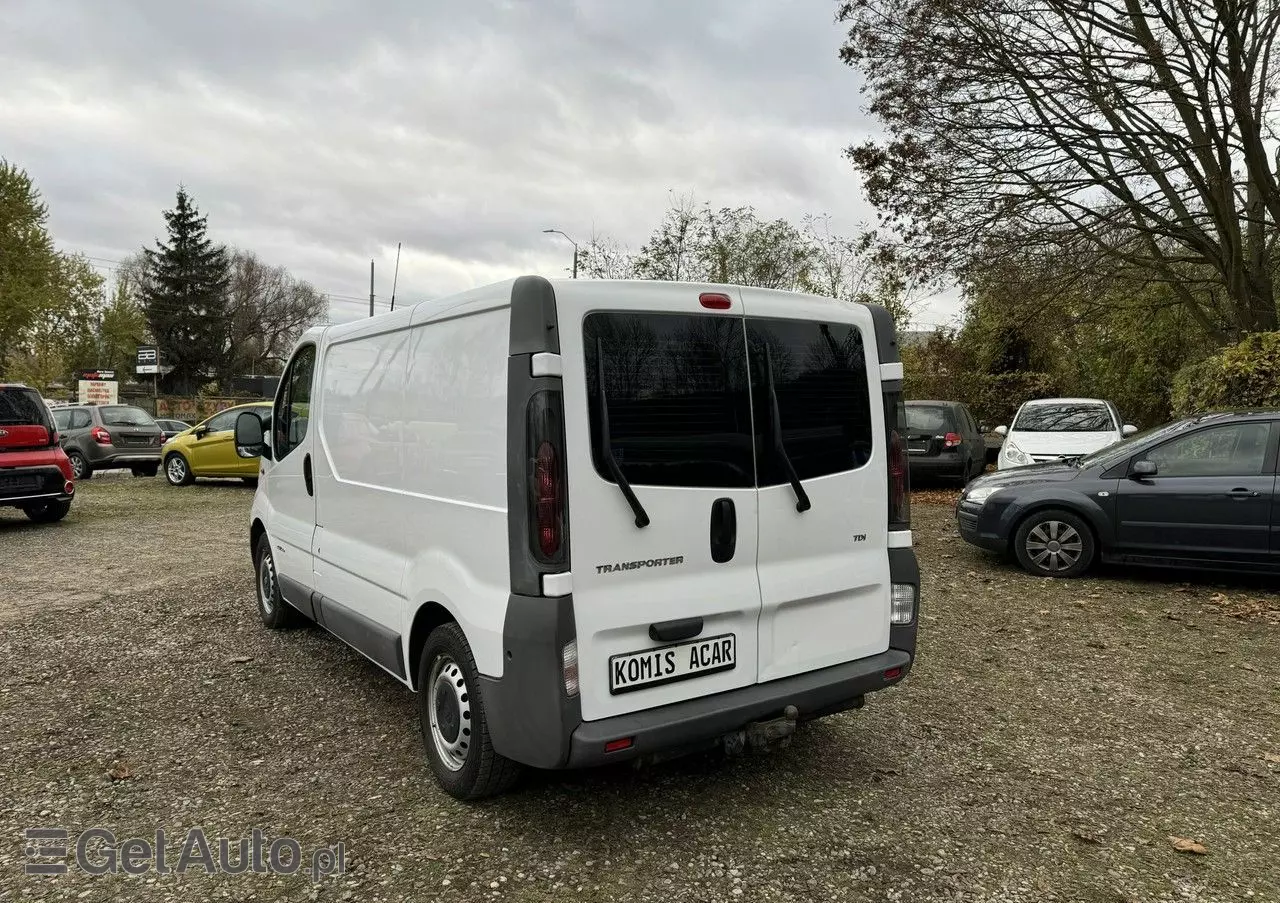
(775, 431)
(606, 444)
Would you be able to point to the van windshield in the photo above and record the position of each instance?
(687, 405)
(1064, 418)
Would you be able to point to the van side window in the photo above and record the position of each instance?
(676, 386)
(293, 406)
(823, 397)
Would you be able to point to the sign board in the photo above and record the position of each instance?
(96, 375)
(99, 391)
(148, 359)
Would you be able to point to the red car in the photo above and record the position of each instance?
(35, 474)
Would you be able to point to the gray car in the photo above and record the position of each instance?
(109, 437)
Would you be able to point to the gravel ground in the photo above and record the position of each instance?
(1052, 739)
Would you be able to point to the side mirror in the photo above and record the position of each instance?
(1129, 429)
(250, 442)
(1143, 469)
(1002, 430)
(200, 432)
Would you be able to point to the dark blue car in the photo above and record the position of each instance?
(1197, 493)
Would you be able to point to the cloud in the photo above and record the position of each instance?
(321, 133)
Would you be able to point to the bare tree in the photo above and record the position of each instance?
(267, 310)
(1138, 130)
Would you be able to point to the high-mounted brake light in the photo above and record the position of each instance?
(100, 436)
(952, 440)
(715, 301)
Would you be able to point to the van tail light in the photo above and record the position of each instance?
(547, 504)
(899, 512)
(548, 498)
(952, 440)
(100, 436)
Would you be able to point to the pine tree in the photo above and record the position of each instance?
(185, 298)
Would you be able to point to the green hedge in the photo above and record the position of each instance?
(1246, 375)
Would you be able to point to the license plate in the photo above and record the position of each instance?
(19, 483)
(667, 664)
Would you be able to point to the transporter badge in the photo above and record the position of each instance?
(633, 565)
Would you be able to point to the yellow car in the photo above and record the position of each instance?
(208, 449)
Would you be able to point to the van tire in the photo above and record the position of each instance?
(483, 772)
(275, 612)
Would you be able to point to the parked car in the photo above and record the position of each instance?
(208, 448)
(1051, 428)
(109, 437)
(944, 441)
(172, 428)
(35, 475)
(710, 458)
(1197, 493)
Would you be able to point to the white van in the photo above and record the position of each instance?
(592, 521)
(1049, 429)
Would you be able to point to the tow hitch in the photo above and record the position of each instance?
(760, 736)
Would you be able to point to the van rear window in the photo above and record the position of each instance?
(678, 403)
(680, 391)
(824, 406)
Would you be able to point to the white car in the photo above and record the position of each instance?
(592, 521)
(1051, 428)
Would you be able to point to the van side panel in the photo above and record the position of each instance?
(358, 551)
(454, 474)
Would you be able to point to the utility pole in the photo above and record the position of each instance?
(371, 288)
(572, 242)
(395, 278)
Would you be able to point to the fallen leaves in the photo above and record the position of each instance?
(1247, 608)
(1188, 846)
(1273, 758)
(120, 771)
(934, 496)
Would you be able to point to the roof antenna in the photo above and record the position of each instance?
(395, 277)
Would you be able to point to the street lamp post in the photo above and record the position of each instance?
(572, 242)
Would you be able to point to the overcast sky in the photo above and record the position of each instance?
(319, 133)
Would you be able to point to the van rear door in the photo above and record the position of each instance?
(667, 611)
(823, 570)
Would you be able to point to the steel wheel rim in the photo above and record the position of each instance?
(449, 711)
(77, 467)
(176, 469)
(267, 585)
(1054, 546)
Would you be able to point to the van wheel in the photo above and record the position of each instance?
(1054, 544)
(176, 470)
(453, 722)
(276, 613)
(48, 513)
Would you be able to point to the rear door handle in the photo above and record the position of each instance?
(1243, 494)
(724, 530)
(306, 474)
(675, 631)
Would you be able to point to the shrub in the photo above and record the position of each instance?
(1246, 375)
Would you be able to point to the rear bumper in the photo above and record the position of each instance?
(50, 488)
(109, 456)
(954, 465)
(531, 720)
(704, 720)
